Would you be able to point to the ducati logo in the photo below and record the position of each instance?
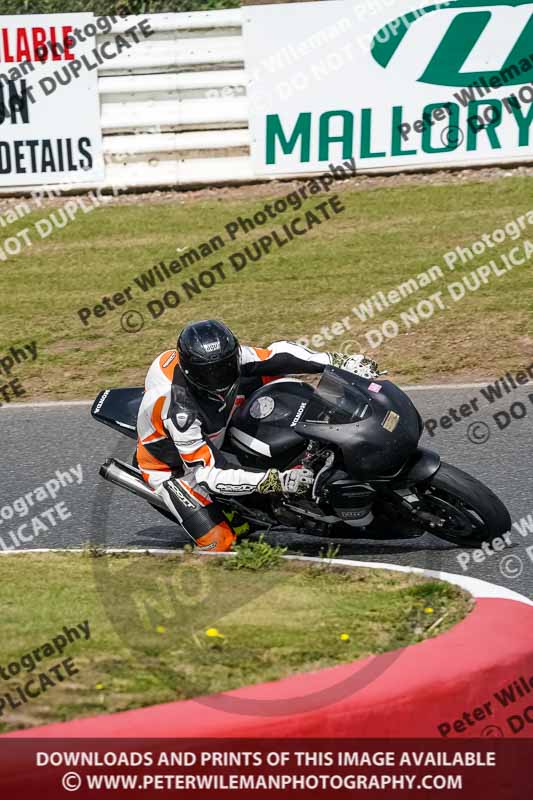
(467, 40)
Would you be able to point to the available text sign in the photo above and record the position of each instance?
(49, 108)
(398, 86)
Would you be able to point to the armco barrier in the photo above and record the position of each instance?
(481, 668)
(188, 83)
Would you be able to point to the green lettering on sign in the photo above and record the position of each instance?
(453, 138)
(345, 136)
(459, 40)
(366, 135)
(396, 144)
(275, 133)
(483, 115)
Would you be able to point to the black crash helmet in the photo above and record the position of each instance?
(210, 357)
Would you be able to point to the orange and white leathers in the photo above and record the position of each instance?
(180, 436)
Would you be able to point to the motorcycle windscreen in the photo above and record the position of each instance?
(375, 425)
(337, 401)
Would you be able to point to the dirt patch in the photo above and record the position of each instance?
(275, 188)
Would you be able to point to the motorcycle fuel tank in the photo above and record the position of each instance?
(263, 430)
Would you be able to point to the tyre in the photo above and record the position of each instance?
(470, 512)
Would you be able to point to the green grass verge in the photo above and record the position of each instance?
(382, 238)
(167, 628)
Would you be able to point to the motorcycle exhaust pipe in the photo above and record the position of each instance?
(129, 478)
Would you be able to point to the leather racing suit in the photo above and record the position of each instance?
(180, 435)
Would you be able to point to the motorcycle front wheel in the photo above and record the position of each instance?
(470, 512)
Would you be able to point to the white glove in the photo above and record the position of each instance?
(296, 481)
(292, 481)
(357, 365)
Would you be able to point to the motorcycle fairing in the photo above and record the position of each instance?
(345, 412)
(118, 408)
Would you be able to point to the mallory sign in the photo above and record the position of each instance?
(354, 93)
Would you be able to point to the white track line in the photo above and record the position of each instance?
(433, 386)
(474, 586)
(416, 388)
(50, 404)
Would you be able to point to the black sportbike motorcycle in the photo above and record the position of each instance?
(360, 438)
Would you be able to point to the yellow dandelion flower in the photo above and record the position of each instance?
(161, 629)
(99, 686)
(428, 611)
(344, 637)
(213, 633)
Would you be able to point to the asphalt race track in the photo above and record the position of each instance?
(38, 440)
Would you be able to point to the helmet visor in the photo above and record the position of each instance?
(218, 377)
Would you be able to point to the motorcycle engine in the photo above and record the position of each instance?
(352, 502)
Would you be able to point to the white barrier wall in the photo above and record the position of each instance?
(173, 106)
(174, 109)
(191, 105)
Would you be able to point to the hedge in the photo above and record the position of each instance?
(110, 7)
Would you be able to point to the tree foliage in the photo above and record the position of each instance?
(110, 7)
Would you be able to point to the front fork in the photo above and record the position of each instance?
(416, 481)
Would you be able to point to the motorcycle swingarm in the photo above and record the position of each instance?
(251, 515)
(327, 520)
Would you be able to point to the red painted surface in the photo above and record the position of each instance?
(408, 693)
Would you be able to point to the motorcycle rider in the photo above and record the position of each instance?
(190, 395)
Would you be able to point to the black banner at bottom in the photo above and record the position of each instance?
(212, 769)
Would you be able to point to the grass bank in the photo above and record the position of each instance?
(162, 629)
(382, 238)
